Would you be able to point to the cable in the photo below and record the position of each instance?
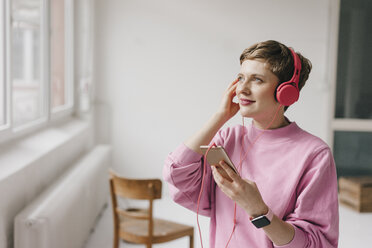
(242, 159)
(239, 170)
(201, 191)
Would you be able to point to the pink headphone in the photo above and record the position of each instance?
(288, 92)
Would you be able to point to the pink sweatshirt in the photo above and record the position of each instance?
(294, 171)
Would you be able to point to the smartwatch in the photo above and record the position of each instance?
(263, 220)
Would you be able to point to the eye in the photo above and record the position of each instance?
(240, 79)
(259, 80)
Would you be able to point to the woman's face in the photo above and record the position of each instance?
(255, 90)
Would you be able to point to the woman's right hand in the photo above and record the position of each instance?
(228, 108)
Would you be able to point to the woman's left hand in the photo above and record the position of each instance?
(244, 192)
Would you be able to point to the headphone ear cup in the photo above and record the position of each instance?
(287, 94)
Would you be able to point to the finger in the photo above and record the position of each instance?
(231, 92)
(229, 171)
(233, 83)
(217, 176)
(221, 182)
(221, 177)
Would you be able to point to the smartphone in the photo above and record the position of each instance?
(216, 154)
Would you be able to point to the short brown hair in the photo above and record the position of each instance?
(280, 60)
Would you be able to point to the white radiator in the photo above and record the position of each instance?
(63, 215)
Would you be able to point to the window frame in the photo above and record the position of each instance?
(8, 131)
(339, 124)
(3, 48)
(5, 129)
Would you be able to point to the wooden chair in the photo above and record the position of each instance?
(136, 225)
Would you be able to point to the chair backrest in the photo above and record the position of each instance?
(139, 189)
(145, 189)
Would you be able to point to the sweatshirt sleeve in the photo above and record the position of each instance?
(316, 218)
(183, 171)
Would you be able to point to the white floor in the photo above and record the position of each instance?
(355, 228)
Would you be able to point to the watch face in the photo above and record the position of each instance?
(261, 221)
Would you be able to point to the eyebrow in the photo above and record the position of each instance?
(254, 74)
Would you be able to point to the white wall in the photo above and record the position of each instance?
(163, 65)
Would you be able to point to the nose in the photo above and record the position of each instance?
(243, 87)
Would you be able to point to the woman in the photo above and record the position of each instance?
(286, 190)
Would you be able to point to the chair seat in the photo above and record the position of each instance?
(136, 231)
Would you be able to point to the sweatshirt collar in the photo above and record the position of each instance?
(278, 135)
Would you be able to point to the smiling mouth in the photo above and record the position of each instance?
(245, 102)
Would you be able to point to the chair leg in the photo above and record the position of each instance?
(116, 239)
(192, 241)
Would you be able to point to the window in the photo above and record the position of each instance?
(57, 55)
(352, 121)
(27, 86)
(84, 54)
(36, 61)
(61, 84)
(2, 65)
(354, 86)
(352, 150)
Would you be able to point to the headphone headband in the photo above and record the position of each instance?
(297, 69)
